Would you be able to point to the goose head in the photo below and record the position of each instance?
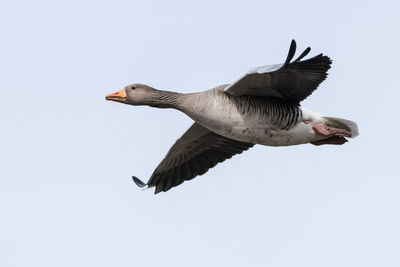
(134, 94)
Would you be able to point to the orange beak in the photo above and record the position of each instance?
(119, 96)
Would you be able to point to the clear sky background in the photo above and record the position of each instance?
(67, 155)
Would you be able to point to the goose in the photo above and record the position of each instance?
(262, 107)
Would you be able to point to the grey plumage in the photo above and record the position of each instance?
(280, 113)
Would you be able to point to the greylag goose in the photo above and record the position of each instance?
(262, 107)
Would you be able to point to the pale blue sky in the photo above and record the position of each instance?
(67, 155)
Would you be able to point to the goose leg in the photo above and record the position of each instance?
(327, 130)
(335, 136)
(333, 140)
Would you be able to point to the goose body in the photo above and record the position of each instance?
(262, 107)
(250, 119)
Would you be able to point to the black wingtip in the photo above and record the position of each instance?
(138, 182)
(305, 52)
(158, 189)
(292, 51)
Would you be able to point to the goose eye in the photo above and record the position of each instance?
(133, 87)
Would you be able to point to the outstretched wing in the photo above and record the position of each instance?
(193, 154)
(291, 81)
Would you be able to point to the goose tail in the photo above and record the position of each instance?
(344, 124)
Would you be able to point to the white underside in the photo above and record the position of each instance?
(266, 135)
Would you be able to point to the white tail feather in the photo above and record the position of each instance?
(343, 124)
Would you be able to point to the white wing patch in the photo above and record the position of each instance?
(265, 69)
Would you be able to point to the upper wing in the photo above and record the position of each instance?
(292, 81)
(193, 154)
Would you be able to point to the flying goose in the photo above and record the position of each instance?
(262, 107)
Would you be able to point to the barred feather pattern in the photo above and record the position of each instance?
(284, 115)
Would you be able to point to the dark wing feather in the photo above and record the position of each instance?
(291, 81)
(193, 154)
